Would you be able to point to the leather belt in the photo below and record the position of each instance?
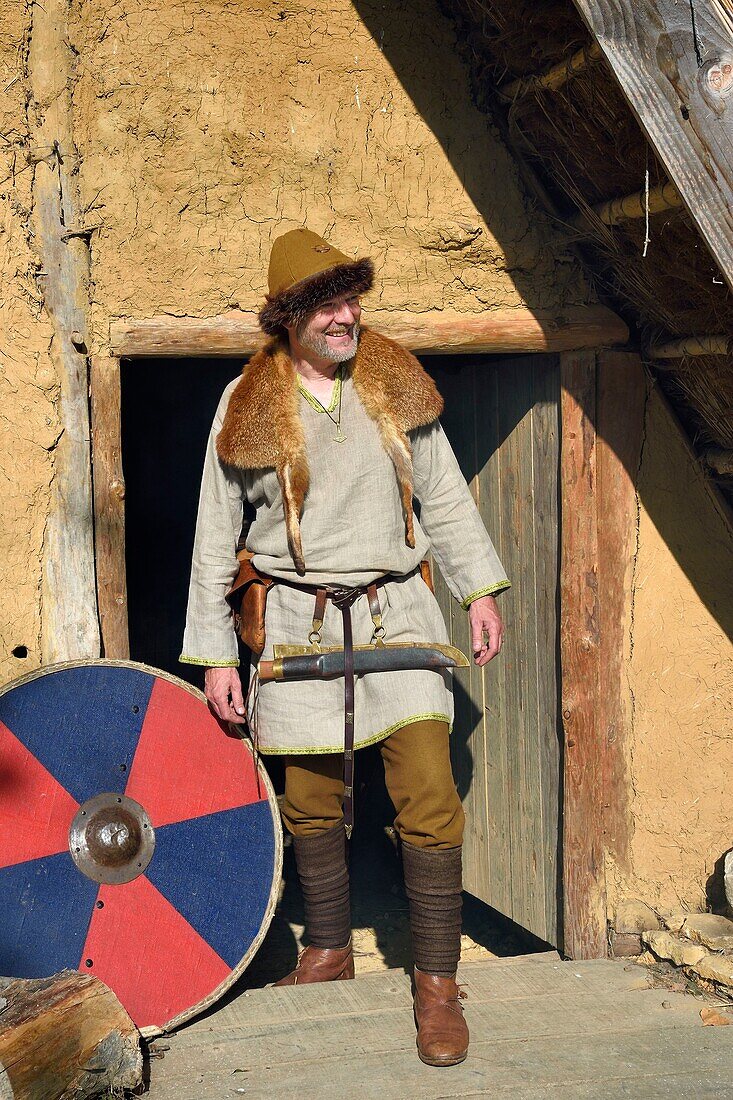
(344, 599)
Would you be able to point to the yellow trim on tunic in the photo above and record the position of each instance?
(488, 591)
(360, 744)
(223, 663)
(313, 400)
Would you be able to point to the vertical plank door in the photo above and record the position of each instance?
(501, 416)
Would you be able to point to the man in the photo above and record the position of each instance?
(329, 434)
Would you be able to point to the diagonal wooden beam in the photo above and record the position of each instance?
(674, 62)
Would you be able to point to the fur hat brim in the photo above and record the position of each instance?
(293, 305)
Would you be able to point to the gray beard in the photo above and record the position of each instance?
(318, 343)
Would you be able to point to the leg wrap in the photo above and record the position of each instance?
(433, 887)
(324, 879)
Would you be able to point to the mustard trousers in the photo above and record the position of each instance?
(419, 779)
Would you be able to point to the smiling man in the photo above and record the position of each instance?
(329, 434)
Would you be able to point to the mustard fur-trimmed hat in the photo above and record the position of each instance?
(305, 271)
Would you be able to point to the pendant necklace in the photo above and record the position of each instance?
(339, 437)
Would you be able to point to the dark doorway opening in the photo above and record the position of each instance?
(167, 409)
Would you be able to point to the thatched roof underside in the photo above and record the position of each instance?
(580, 145)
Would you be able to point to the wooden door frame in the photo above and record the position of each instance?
(578, 335)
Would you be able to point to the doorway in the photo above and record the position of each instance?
(501, 416)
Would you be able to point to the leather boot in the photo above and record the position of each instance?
(321, 964)
(442, 1032)
(324, 880)
(433, 887)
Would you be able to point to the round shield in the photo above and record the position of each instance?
(138, 841)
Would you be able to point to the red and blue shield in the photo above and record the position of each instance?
(138, 839)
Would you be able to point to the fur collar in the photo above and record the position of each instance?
(262, 426)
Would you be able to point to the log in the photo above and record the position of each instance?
(65, 1036)
(556, 77)
(69, 627)
(435, 331)
(690, 346)
(628, 207)
(584, 884)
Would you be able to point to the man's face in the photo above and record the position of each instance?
(332, 330)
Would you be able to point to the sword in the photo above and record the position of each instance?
(304, 663)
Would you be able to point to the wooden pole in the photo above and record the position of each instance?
(615, 211)
(691, 346)
(556, 77)
(69, 615)
(435, 331)
(584, 913)
(674, 64)
(65, 1036)
(109, 506)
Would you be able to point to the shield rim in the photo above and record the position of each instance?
(149, 1031)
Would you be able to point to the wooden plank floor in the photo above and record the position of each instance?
(539, 1028)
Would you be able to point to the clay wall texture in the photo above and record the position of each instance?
(29, 427)
(679, 679)
(206, 128)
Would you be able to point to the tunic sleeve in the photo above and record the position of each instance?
(448, 514)
(209, 637)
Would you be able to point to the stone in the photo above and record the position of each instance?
(633, 915)
(625, 944)
(709, 929)
(716, 968)
(674, 920)
(728, 878)
(668, 946)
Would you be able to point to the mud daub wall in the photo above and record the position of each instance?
(29, 425)
(678, 680)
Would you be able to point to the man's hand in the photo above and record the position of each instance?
(222, 685)
(485, 620)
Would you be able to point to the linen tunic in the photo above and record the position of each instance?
(353, 531)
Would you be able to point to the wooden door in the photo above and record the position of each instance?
(501, 416)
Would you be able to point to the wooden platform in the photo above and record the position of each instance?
(539, 1028)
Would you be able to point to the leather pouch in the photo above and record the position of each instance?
(248, 598)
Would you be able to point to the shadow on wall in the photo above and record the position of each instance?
(412, 36)
(687, 513)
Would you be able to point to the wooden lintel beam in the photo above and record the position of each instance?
(674, 64)
(435, 331)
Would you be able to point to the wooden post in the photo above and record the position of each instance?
(109, 506)
(622, 389)
(674, 63)
(69, 614)
(584, 925)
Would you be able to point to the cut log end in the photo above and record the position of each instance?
(64, 1036)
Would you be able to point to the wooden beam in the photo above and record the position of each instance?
(584, 911)
(69, 626)
(556, 77)
(615, 211)
(435, 331)
(109, 506)
(621, 394)
(690, 346)
(674, 63)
